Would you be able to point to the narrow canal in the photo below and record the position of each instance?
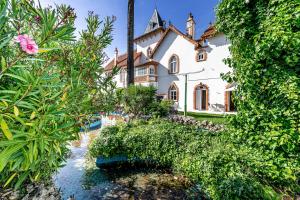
(80, 179)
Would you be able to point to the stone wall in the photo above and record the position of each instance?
(200, 124)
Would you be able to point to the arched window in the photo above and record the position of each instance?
(201, 97)
(201, 56)
(173, 92)
(149, 52)
(151, 70)
(174, 64)
(122, 75)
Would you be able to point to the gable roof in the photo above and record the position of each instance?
(155, 22)
(175, 30)
(144, 36)
(122, 61)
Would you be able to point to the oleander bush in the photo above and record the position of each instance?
(49, 84)
(208, 158)
(265, 58)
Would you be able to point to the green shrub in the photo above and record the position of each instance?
(265, 55)
(45, 93)
(161, 108)
(208, 158)
(140, 100)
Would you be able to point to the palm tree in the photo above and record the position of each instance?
(130, 38)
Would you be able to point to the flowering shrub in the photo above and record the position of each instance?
(49, 84)
(27, 44)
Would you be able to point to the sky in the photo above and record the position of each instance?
(175, 11)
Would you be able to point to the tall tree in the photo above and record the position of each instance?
(130, 38)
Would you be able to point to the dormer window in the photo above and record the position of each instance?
(201, 56)
(149, 52)
(174, 64)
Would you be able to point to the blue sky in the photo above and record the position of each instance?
(175, 11)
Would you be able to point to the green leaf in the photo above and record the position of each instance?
(3, 64)
(5, 41)
(16, 77)
(10, 143)
(16, 111)
(21, 179)
(6, 130)
(10, 179)
(6, 154)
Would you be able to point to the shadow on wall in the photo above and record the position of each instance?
(217, 107)
(208, 49)
(218, 41)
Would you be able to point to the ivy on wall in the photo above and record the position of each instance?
(265, 38)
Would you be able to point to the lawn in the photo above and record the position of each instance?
(215, 118)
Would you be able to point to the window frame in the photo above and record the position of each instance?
(151, 68)
(204, 56)
(173, 59)
(173, 89)
(202, 87)
(139, 69)
(122, 75)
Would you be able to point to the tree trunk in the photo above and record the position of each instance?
(130, 38)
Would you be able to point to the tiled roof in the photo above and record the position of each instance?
(155, 22)
(122, 61)
(209, 32)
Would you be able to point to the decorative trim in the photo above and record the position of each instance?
(207, 95)
(175, 30)
(177, 64)
(144, 36)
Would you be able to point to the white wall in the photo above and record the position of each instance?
(217, 50)
(143, 45)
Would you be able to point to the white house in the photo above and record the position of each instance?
(169, 59)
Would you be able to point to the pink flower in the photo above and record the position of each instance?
(27, 44)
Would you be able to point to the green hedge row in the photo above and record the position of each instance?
(207, 158)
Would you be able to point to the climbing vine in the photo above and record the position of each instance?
(265, 49)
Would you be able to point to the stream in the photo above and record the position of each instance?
(77, 181)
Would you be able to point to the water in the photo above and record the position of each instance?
(75, 180)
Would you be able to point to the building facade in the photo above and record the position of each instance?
(177, 64)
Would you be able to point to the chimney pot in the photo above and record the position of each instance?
(190, 26)
(116, 56)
